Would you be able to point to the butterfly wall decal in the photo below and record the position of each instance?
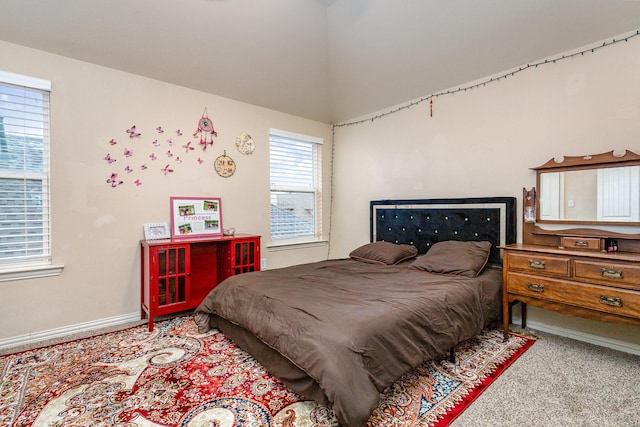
(113, 180)
(152, 156)
(112, 142)
(200, 160)
(159, 129)
(188, 147)
(109, 159)
(166, 170)
(128, 153)
(169, 153)
(156, 143)
(143, 167)
(132, 132)
(128, 169)
(179, 132)
(137, 183)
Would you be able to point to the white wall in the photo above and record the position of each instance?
(96, 228)
(482, 142)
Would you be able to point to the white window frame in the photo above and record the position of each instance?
(40, 265)
(282, 138)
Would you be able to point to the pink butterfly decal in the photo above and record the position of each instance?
(143, 167)
(156, 143)
(113, 180)
(159, 129)
(178, 160)
(137, 183)
(128, 153)
(170, 141)
(128, 169)
(132, 132)
(109, 159)
(179, 132)
(112, 142)
(166, 170)
(169, 153)
(152, 156)
(188, 147)
(200, 160)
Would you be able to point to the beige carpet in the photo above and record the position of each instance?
(560, 382)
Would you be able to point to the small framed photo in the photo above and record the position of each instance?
(196, 217)
(156, 230)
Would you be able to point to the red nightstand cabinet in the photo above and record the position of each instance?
(177, 273)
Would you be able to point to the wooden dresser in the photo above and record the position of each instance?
(588, 272)
(593, 284)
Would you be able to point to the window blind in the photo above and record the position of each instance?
(25, 225)
(295, 185)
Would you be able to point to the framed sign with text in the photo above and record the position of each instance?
(196, 217)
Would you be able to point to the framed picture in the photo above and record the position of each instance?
(196, 217)
(156, 230)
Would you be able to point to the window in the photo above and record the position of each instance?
(296, 202)
(25, 225)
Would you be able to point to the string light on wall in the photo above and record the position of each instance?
(491, 80)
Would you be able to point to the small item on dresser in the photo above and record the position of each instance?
(229, 231)
(612, 246)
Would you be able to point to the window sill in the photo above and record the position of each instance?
(31, 272)
(295, 245)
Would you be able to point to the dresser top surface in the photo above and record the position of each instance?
(612, 256)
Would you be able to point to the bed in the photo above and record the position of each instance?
(341, 331)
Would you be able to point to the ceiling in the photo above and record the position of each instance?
(326, 60)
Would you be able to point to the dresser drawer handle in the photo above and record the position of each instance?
(611, 274)
(581, 243)
(612, 301)
(536, 264)
(535, 287)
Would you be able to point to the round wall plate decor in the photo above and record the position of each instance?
(245, 144)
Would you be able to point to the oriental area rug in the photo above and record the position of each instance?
(174, 376)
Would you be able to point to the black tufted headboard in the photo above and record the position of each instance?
(424, 222)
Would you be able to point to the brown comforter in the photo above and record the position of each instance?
(353, 327)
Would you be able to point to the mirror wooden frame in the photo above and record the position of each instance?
(578, 163)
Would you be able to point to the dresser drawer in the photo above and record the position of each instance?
(600, 298)
(625, 275)
(581, 243)
(539, 264)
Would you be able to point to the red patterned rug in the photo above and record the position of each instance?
(174, 376)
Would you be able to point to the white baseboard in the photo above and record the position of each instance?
(583, 336)
(68, 330)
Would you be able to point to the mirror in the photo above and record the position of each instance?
(599, 189)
